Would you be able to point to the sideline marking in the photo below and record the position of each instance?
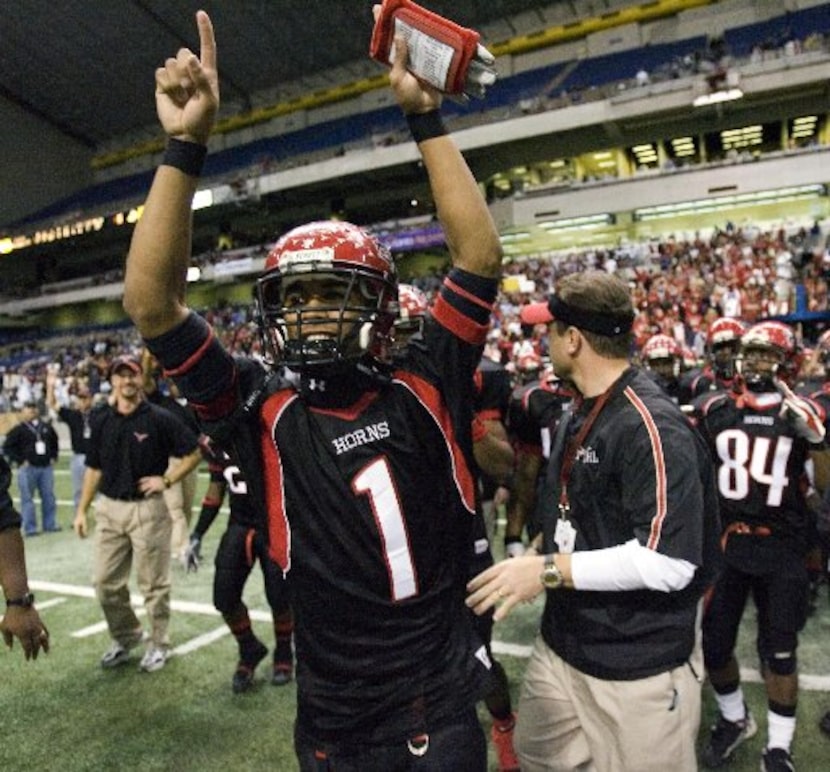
(806, 681)
(137, 601)
(100, 627)
(201, 640)
(49, 603)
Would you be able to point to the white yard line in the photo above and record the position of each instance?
(806, 681)
(186, 606)
(42, 604)
(201, 640)
(100, 627)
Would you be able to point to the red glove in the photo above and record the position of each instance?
(441, 52)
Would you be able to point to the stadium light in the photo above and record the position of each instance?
(716, 97)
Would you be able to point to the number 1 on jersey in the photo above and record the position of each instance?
(375, 480)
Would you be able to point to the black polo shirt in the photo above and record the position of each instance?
(128, 447)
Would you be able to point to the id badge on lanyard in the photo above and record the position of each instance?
(565, 534)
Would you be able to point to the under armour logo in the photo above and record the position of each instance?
(482, 656)
(316, 385)
(140, 437)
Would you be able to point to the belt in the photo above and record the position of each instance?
(745, 530)
(128, 497)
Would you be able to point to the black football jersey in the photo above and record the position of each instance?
(535, 409)
(245, 509)
(370, 505)
(396, 469)
(759, 459)
(693, 383)
(492, 390)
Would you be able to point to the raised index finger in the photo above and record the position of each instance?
(207, 41)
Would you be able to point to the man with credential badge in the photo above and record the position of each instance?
(628, 545)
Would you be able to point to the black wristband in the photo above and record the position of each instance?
(188, 157)
(426, 126)
(26, 601)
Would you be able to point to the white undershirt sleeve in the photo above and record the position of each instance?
(629, 566)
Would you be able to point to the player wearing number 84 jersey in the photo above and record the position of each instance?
(759, 433)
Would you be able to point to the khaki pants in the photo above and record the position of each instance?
(179, 499)
(570, 721)
(128, 532)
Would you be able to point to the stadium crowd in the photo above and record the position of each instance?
(678, 285)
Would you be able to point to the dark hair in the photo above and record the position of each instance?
(603, 292)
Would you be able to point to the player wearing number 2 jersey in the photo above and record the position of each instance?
(242, 544)
(368, 481)
(759, 433)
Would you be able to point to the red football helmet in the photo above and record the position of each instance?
(723, 342)
(768, 350)
(328, 296)
(412, 309)
(724, 330)
(660, 347)
(688, 358)
(528, 367)
(662, 354)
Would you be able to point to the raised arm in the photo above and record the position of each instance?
(187, 99)
(471, 235)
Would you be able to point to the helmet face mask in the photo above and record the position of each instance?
(723, 357)
(723, 344)
(662, 355)
(768, 352)
(759, 366)
(328, 299)
(665, 367)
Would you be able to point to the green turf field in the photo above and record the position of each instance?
(65, 713)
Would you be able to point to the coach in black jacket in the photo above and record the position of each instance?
(627, 540)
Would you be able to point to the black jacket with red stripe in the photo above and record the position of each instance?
(640, 473)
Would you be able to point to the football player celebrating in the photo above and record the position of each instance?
(759, 433)
(368, 479)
